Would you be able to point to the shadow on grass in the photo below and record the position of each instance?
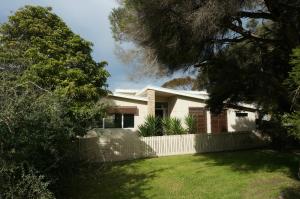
(110, 181)
(291, 193)
(255, 160)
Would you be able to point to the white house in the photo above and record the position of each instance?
(130, 108)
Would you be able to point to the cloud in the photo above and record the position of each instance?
(89, 19)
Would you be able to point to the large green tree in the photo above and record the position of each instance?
(241, 46)
(292, 120)
(45, 52)
(50, 87)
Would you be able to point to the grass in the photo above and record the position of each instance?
(259, 174)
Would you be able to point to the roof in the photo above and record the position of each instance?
(142, 94)
(129, 97)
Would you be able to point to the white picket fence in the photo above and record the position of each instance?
(127, 145)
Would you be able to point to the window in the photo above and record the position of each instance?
(119, 120)
(241, 114)
(128, 120)
(113, 121)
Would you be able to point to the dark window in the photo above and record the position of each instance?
(113, 121)
(240, 114)
(118, 120)
(128, 121)
(101, 123)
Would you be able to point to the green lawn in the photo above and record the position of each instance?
(247, 174)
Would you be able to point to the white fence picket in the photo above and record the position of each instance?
(109, 147)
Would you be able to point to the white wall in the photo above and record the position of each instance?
(141, 105)
(179, 107)
(240, 123)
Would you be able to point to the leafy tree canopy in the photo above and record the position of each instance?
(49, 92)
(292, 120)
(57, 59)
(43, 51)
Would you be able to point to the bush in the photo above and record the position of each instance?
(167, 126)
(36, 131)
(18, 181)
(190, 122)
(176, 127)
(154, 126)
(150, 127)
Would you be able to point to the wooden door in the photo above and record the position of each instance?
(219, 122)
(200, 116)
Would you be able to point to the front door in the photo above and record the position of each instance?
(200, 116)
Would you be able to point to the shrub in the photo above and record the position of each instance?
(190, 122)
(150, 127)
(154, 126)
(167, 126)
(176, 127)
(18, 181)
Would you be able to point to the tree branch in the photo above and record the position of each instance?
(248, 34)
(230, 40)
(34, 84)
(256, 15)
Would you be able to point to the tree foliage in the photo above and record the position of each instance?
(292, 120)
(35, 139)
(53, 57)
(150, 127)
(181, 83)
(241, 46)
(49, 92)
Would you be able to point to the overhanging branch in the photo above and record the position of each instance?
(248, 34)
(230, 40)
(256, 15)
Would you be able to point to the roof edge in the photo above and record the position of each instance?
(129, 97)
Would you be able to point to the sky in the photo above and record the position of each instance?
(89, 19)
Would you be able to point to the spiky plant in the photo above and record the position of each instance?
(150, 127)
(190, 122)
(176, 127)
(167, 126)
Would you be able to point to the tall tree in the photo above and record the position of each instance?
(292, 120)
(45, 52)
(49, 92)
(243, 45)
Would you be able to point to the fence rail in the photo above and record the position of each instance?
(127, 145)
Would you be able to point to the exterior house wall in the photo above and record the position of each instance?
(141, 105)
(179, 107)
(241, 123)
(151, 102)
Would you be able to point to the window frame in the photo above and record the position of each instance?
(122, 121)
(241, 114)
